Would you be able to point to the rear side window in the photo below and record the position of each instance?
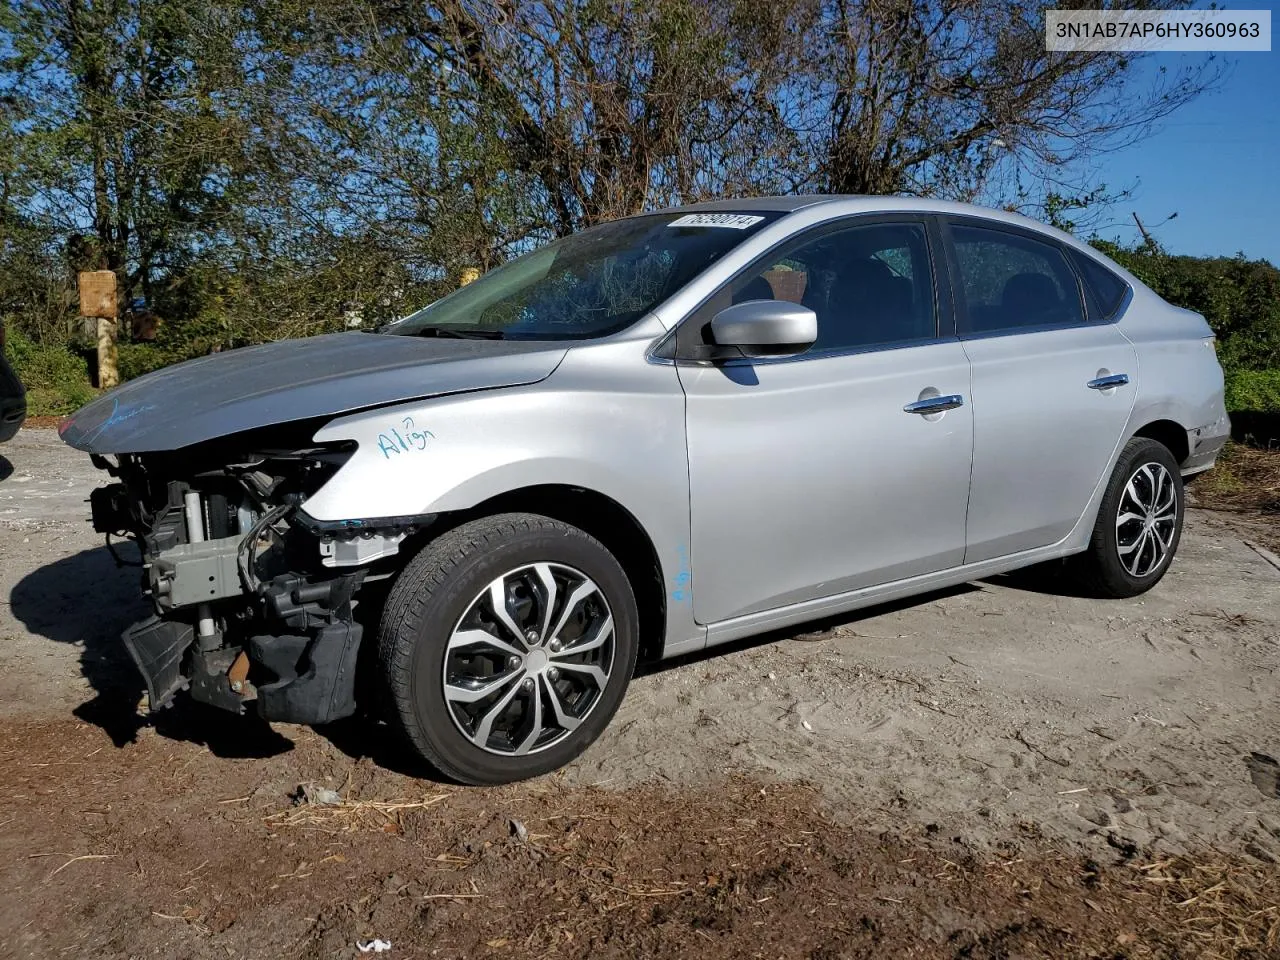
(1010, 281)
(1104, 291)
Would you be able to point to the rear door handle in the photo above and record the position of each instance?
(1106, 383)
(935, 404)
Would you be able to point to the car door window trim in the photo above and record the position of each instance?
(1050, 327)
(815, 355)
(963, 330)
(666, 348)
(1090, 289)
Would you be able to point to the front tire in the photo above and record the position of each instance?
(1139, 523)
(506, 647)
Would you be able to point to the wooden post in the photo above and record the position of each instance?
(1143, 230)
(98, 300)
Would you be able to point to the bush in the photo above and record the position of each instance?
(58, 401)
(1254, 390)
(1240, 298)
(1253, 400)
(45, 365)
(135, 359)
(56, 377)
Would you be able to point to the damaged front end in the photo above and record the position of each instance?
(254, 601)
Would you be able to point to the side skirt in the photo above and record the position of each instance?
(780, 617)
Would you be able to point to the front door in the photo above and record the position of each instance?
(1051, 392)
(824, 473)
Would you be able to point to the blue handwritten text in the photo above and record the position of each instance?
(403, 439)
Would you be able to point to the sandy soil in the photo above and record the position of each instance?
(1009, 729)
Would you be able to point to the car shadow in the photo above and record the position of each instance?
(6, 467)
(817, 630)
(87, 601)
(364, 736)
(1050, 578)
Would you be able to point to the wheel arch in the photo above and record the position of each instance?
(606, 520)
(1170, 434)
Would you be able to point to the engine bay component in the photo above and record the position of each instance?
(157, 648)
(316, 676)
(209, 673)
(358, 551)
(196, 573)
(110, 508)
(249, 609)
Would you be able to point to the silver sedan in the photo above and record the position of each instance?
(657, 435)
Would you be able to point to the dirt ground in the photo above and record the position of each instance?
(1003, 770)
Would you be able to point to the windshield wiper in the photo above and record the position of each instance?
(457, 333)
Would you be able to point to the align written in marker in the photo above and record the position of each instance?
(393, 441)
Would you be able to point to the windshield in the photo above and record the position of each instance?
(587, 285)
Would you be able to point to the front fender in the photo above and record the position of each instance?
(606, 421)
(452, 454)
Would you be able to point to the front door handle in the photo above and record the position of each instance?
(935, 404)
(1108, 383)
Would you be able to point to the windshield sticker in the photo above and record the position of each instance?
(395, 442)
(732, 221)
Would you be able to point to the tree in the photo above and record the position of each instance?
(270, 168)
(125, 150)
(960, 98)
(609, 108)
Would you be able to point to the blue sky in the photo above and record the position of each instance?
(1216, 163)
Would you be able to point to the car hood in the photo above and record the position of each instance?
(288, 380)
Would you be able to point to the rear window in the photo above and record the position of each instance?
(1104, 291)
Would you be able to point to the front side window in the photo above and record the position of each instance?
(1010, 281)
(869, 285)
(590, 284)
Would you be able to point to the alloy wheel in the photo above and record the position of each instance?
(1146, 519)
(529, 659)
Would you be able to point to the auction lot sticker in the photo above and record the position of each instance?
(1149, 31)
(734, 221)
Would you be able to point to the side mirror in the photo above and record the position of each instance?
(765, 328)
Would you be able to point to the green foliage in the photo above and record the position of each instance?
(283, 167)
(40, 365)
(135, 359)
(36, 293)
(286, 168)
(1253, 391)
(56, 378)
(1241, 301)
(60, 400)
(1240, 298)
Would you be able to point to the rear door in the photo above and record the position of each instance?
(1051, 390)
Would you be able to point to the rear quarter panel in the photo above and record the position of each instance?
(1179, 377)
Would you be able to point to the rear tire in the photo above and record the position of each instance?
(506, 647)
(1139, 523)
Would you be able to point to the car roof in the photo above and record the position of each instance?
(858, 203)
(770, 204)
